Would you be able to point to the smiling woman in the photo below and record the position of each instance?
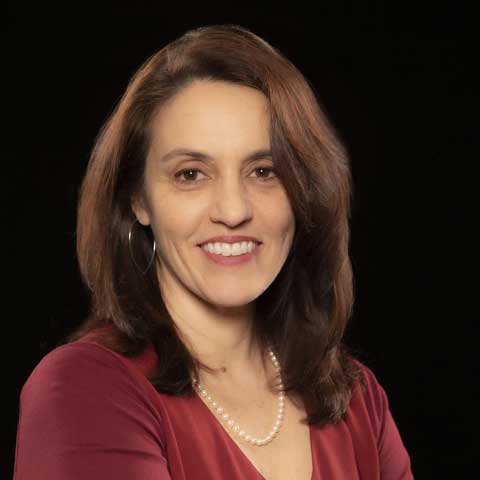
(213, 236)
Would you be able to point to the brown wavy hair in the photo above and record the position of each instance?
(304, 312)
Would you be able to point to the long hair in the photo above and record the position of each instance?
(304, 312)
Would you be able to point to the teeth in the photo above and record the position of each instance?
(230, 249)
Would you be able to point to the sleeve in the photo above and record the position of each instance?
(84, 415)
(393, 457)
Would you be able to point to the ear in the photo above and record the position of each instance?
(140, 209)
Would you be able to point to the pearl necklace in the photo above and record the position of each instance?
(234, 426)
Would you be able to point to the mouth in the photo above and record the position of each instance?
(257, 244)
(239, 257)
(201, 245)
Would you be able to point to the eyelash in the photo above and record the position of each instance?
(179, 173)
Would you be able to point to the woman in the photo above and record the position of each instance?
(213, 235)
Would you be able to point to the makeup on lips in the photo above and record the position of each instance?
(231, 250)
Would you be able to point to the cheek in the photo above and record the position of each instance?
(175, 219)
(279, 215)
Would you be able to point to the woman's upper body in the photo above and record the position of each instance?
(88, 412)
(213, 220)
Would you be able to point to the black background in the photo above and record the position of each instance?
(396, 82)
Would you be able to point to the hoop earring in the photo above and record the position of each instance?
(143, 272)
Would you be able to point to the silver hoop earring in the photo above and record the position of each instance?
(143, 272)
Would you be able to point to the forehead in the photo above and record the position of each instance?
(213, 115)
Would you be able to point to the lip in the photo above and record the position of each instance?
(230, 239)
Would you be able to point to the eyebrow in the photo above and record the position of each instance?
(176, 152)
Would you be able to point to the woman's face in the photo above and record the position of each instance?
(188, 200)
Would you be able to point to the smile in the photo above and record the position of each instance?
(230, 249)
(229, 254)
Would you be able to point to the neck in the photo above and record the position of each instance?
(230, 354)
(221, 337)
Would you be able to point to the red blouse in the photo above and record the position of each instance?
(88, 413)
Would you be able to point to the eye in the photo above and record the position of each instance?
(181, 174)
(266, 169)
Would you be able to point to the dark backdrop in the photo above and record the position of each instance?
(396, 83)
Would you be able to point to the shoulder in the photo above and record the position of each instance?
(369, 417)
(81, 364)
(85, 383)
(83, 388)
(369, 398)
(80, 407)
(369, 388)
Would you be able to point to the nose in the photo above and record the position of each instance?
(230, 204)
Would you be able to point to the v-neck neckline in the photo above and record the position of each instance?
(241, 452)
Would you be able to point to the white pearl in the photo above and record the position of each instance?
(236, 427)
